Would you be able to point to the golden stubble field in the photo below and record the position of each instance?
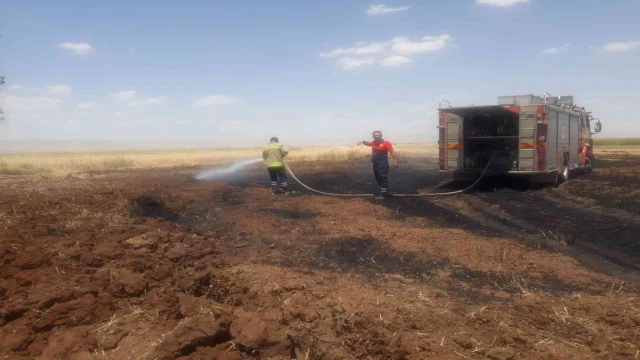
(62, 163)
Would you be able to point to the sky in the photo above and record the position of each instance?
(219, 73)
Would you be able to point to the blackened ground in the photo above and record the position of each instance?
(152, 264)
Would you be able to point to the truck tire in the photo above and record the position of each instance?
(563, 174)
(591, 162)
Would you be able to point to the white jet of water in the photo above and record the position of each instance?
(212, 174)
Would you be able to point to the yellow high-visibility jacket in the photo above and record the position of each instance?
(273, 154)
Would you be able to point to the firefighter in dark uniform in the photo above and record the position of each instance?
(380, 149)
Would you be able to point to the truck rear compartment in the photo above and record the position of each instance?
(533, 137)
(490, 131)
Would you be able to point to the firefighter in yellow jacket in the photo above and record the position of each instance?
(273, 155)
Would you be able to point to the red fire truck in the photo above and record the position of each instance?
(547, 139)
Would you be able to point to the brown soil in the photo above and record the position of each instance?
(154, 265)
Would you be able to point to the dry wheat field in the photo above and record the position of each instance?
(123, 255)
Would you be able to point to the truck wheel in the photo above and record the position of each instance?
(559, 178)
(590, 163)
(563, 174)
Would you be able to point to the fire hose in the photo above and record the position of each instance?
(484, 172)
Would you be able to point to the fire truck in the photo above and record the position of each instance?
(546, 139)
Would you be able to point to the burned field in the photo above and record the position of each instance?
(154, 265)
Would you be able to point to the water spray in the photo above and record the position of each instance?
(213, 174)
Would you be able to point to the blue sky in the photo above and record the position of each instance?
(238, 72)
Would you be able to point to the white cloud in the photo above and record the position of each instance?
(185, 122)
(118, 113)
(17, 103)
(214, 100)
(381, 9)
(78, 48)
(154, 100)
(125, 95)
(58, 90)
(427, 44)
(87, 105)
(620, 46)
(15, 87)
(501, 3)
(557, 49)
(359, 49)
(139, 105)
(396, 60)
(348, 64)
(388, 53)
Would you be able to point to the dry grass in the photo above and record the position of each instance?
(616, 141)
(616, 150)
(60, 163)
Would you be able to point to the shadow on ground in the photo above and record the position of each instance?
(371, 258)
(498, 207)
